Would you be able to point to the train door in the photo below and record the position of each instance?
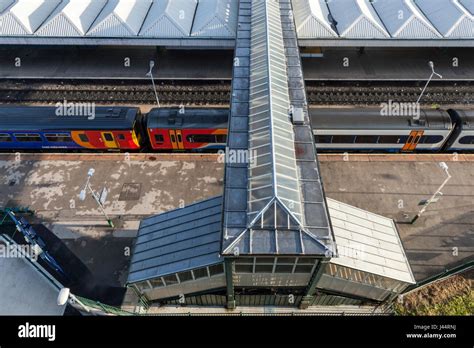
(412, 141)
(179, 139)
(109, 140)
(176, 139)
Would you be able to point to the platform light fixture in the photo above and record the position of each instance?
(98, 198)
(150, 74)
(437, 194)
(433, 72)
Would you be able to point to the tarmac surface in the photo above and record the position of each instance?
(146, 184)
(113, 63)
(394, 64)
(137, 189)
(407, 64)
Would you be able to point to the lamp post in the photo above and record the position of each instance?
(443, 166)
(433, 72)
(99, 199)
(150, 74)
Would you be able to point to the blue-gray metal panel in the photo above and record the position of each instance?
(441, 13)
(345, 12)
(469, 5)
(178, 240)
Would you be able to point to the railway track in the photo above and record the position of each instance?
(218, 93)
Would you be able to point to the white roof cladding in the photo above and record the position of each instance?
(121, 18)
(72, 18)
(449, 17)
(24, 17)
(357, 19)
(312, 19)
(169, 18)
(368, 242)
(216, 18)
(404, 20)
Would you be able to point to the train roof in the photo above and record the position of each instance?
(188, 118)
(38, 118)
(467, 118)
(373, 118)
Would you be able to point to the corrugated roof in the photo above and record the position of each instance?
(404, 20)
(170, 18)
(121, 18)
(357, 19)
(216, 18)
(449, 18)
(313, 19)
(178, 240)
(368, 242)
(24, 17)
(72, 18)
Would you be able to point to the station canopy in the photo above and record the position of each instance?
(178, 240)
(450, 19)
(170, 18)
(94, 21)
(313, 19)
(376, 23)
(368, 242)
(405, 20)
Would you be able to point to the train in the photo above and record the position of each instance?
(113, 129)
(200, 130)
(367, 130)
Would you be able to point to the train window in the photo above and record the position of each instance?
(343, 139)
(58, 138)
(323, 139)
(392, 139)
(84, 138)
(5, 138)
(23, 137)
(159, 138)
(201, 138)
(431, 139)
(467, 140)
(180, 139)
(366, 139)
(108, 137)
(221, 138)
(121, 137)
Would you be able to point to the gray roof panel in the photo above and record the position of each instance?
(468, 4)
(178, 240)
(448, 17)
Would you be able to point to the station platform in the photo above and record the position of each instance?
(401, 64)
(147, 184)
(110, 63)
(85, 63)
(144, 186)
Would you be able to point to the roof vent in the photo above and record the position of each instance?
(298, 116)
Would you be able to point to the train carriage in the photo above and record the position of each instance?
(368, 130)
(464, 137)
(43, 128)
(189, 129)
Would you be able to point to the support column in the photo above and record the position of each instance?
(311, 288)
(229, 277)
